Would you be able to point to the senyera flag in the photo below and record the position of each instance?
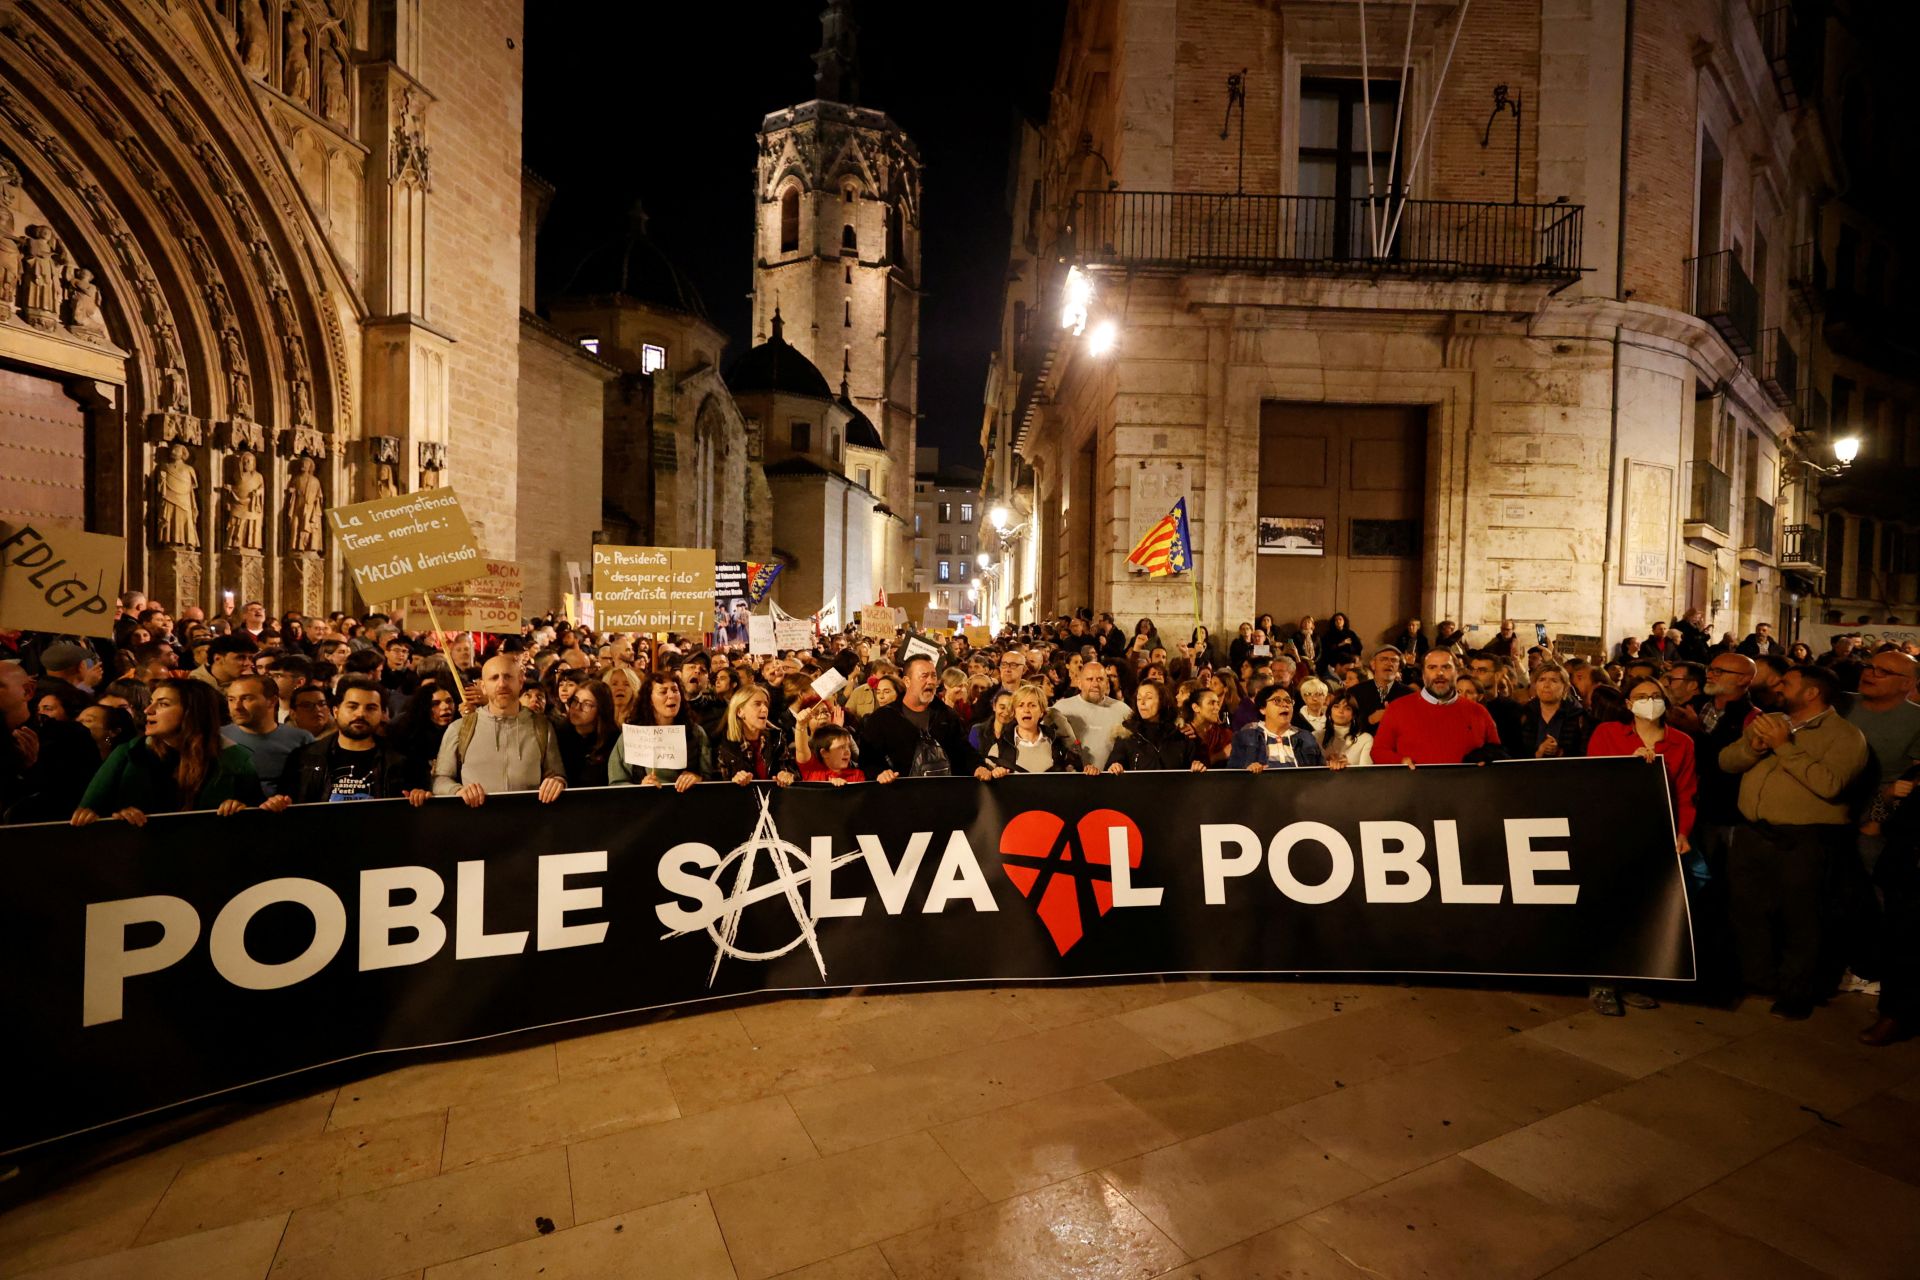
(1168, 547)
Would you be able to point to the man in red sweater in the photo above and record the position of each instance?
(1438, 726)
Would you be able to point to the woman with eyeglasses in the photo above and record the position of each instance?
(586, 739)
(663, 703)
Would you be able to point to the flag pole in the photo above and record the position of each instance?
(434, 618)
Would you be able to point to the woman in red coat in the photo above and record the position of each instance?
(1649, 737)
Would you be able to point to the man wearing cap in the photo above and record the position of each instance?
(72, 663)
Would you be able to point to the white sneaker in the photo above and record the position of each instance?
(1853, 985)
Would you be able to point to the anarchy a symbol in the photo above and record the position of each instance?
(792, 868)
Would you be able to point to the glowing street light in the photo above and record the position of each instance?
(1077, 299)
(999, 515)
(1103, 337)
(983, 559)
(1846, 449)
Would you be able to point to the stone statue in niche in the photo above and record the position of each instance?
(173, 389)
(176, 501)
(305, 503)
(84, 315)
(385, 483)
(42, 275)
(302, 403)
(9, 266)
(239, 391)
(253, 36)
(241, 505)
(333, 84)
(298, 81)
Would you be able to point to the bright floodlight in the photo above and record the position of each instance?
(1846, 449)
(999, 515)
(983, 559)
(1078, 297)
(1101, 339)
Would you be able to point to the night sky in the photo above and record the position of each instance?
(660, 102)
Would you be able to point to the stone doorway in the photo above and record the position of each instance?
(1342, 502)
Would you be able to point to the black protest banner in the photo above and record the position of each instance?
(160, 965)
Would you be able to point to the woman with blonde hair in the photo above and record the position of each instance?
(1311, 714)
(1029, 744)
(752, 748)
(624, 684)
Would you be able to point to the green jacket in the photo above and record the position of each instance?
(133, 777)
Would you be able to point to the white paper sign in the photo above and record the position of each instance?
(793, 633)
(651, 746)
(829, 683)
(1263, 651)
(760, 635)
(916, 645)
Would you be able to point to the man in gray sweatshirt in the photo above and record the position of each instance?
(1091, 717)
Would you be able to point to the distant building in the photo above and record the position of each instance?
(946, 543)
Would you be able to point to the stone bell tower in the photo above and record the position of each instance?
(837, 251)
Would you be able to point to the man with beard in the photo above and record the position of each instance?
(352, 763)
(1765, 689)
(1437, 726)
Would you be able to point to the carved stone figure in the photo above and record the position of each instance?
(176, 501)
(298, 80)
(305, 502)
(303, 403)
(85, 315)
(9, 267)
(239, 391)
(241, 504)
(166, 345)
(42, 273)
(174, 396)
(333, 84)
(385, 485)
(253, 37)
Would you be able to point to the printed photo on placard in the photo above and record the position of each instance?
(1293, 536)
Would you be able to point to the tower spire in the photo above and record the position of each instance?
(836, 68)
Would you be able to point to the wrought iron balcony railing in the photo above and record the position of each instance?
(1757, 530)
(1777, 37)
(1807, 275)
(1712, 503)
(1802, 547)
(1778, 368)
(1188, 230)
(1725, 298)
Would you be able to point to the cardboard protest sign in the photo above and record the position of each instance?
(877, 622)
(653, 588)
(917, 645)
(792, 633)
(58, 578)
(651, 746)
(761, 635)
(398, 546)
(915, 603)
(978, 637)
(492, 602)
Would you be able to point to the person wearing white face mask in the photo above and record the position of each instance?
(1651, 738)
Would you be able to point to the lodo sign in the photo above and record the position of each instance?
(59, 579)
(491, 602)
(153, 944)
(653, 588)
(397, 546)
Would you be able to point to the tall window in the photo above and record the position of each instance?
(966, 513)
(946, 513)
(790, 221)
(836, 445)
(849, 243)
(652, 358)
(918, 521)
(963, 570)
(1708, 198)
(865, 476)
(1333, 163)
(945, 571)
(801, 436)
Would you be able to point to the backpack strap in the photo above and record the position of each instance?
(462, 739)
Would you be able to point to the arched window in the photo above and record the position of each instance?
(846, 320)
(790, 221)
(848, 242)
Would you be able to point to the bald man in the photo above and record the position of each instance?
(500, 746)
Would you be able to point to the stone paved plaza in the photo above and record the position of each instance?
(1217, 1129)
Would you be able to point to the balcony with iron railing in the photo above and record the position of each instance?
(1711, 501)
(1778, 368)
(1725, 298)
(1802, 547)
(1756, 531)
(1778, 36)
(1445, 239)
(1807, 275)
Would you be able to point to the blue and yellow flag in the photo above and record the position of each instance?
(1168, 547)
(760, 579)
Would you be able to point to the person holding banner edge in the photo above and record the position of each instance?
(519, 750)
(180, 765)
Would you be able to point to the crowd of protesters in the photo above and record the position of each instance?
(1789, 773)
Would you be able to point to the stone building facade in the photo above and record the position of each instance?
(258, 256)
(946, 536)
(1537, 390)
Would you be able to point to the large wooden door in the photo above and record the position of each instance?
(1359, 470)
(43, 451)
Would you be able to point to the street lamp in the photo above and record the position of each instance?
(999, 515)
(983, 559)
(1103, 337)
(1846, 449)
(1077, 298)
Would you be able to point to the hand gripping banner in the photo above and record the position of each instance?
(155, 966)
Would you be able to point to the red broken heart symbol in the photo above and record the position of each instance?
(1037, 852)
